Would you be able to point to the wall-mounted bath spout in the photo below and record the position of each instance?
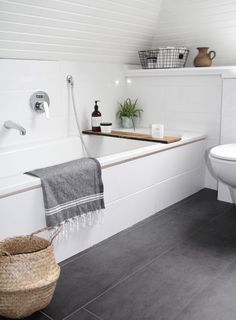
(13, 125)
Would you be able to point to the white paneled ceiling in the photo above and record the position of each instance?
(196, 23)
(98, 30)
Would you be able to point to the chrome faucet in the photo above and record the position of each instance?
(13, 125)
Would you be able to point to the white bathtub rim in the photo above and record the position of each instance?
(20, 183)
(36, 144)
(114, 159)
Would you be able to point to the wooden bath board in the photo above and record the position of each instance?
(134, 136)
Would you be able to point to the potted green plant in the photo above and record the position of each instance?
(128, 111)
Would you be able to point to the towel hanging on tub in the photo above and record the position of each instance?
(71, 189)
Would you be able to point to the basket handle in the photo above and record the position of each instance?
(57, 228)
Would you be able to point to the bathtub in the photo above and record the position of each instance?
(140, 178)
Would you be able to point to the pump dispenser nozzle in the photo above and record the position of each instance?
(96, 105)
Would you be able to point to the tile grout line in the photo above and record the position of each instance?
(46, 315)
(93, 314)
(140, 224)
(117, 283)
(125, 231)
(207, 286)
(141, 268)
(97, 245)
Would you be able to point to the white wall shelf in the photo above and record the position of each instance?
(224, 72)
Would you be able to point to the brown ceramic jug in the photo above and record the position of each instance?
(204, 58)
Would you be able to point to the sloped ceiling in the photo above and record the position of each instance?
(114, 30)
(196, 23)
(98, 30)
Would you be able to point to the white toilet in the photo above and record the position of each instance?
(223, 163)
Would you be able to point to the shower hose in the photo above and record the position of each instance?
(70, 83)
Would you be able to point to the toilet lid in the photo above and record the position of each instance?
(224, 152)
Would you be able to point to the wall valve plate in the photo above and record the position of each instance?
(38, 100)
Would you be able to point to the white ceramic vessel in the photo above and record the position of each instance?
(223, 162)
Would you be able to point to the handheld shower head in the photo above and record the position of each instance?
(69, 80)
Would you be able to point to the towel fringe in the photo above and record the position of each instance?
(84, 221)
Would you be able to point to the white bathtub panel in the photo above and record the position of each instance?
(22, 213)
(126, 212)
(133, 176)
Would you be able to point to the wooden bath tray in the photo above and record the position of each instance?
(134, 136)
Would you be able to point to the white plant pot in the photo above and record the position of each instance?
(126, 122)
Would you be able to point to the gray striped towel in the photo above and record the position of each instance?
(71, 189)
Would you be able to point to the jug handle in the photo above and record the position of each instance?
(212, 54)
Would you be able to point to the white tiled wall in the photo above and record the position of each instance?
(20, 78)
(181, 103)
(228, 127)
(228, 130)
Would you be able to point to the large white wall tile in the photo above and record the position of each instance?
(92, 81)
(228, 130)
(181, 103)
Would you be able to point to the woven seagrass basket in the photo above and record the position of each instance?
(28, 274)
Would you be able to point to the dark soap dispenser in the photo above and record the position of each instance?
(96, 118)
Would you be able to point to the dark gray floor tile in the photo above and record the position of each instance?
(165, 287)
(35, 316)
(82, 314)
(85, 278)
(204, 200)
(218, 235)
(161, 290)
(216, 302)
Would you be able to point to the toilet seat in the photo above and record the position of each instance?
(224, 152)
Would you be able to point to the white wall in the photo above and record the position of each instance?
(19, 79)
(199, 23)
(228, 127)
(182, 103)
(101, 30)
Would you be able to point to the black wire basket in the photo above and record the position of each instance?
(164, 58)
